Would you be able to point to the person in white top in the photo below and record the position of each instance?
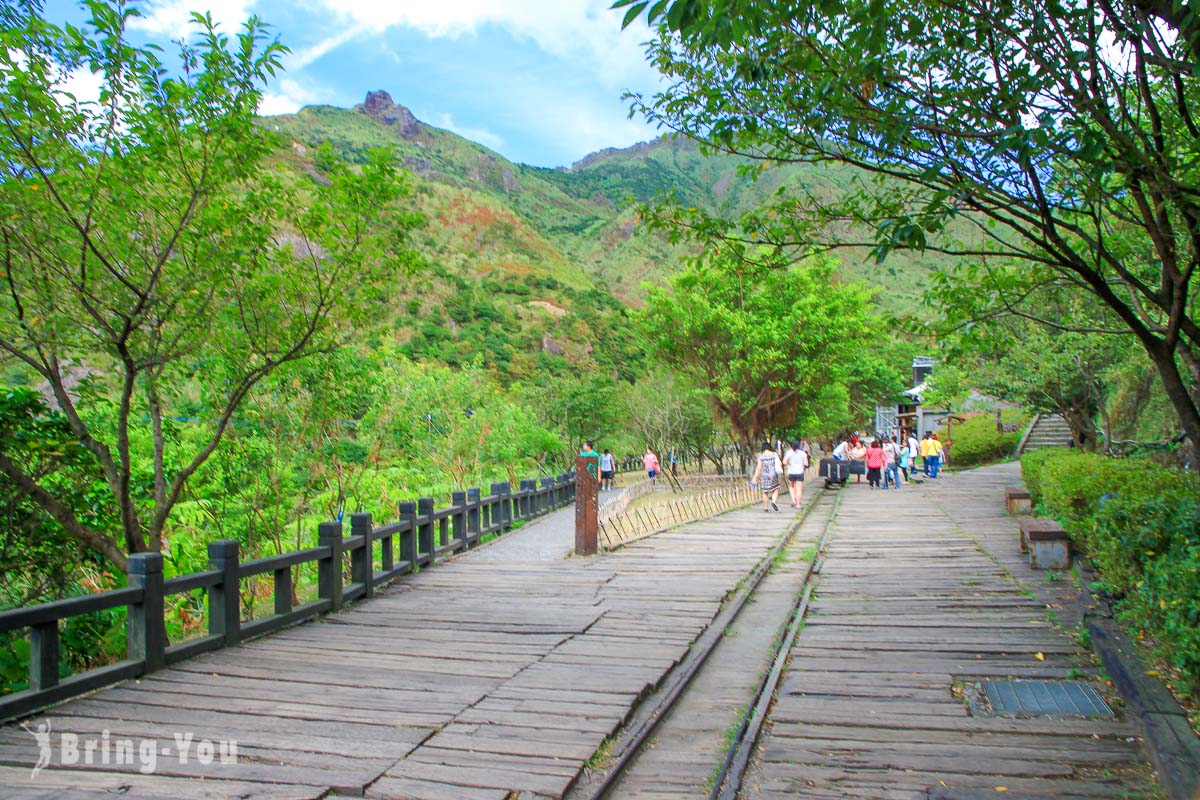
(607, 466)
(840, 452)
(795, 463)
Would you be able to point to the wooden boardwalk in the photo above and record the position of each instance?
(477, 679)
(923, 593)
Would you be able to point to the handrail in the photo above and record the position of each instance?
(421, 536)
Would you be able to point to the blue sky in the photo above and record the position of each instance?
(539, 81)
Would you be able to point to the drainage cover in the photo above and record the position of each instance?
(1045, 698)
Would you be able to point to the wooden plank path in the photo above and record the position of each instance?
(922, 588)
(476, 679)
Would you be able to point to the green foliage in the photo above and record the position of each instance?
(932, 102)
(762, 342)
(976, 440)
(151, 248)
(1140, 525)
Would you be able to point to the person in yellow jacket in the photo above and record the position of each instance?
(927, 451)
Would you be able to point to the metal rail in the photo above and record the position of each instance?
(642, 729)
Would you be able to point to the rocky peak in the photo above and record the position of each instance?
(379, 105)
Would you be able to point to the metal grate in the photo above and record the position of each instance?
(1045, 698)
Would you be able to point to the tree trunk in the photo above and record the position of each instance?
(1181, 399)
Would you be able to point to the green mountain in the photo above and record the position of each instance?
(533, 268)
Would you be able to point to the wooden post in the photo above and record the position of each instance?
(587, 521)
(362, 561)
(496, 517)
(547, 499)
(408, 537)
(473, 514)
(329, 571)
(43, 656)
(459, 501)
(425, 529)
(146, 630)
(224, 599)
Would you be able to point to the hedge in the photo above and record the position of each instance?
(1139, 524)
(976, 440)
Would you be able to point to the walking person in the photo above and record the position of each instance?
(607, 468)
(874, 463)
(650, 461)
(766, 475)
(905, 458)
(891, 463)
(935, 454)
(913, 450)
(926, 453)
(795, 464)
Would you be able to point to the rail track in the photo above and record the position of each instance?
(624, 773)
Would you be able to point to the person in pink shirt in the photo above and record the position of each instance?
(874, 463)
(651, 462)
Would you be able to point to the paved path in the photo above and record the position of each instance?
(924, 591)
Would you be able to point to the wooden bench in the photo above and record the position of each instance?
(1018, 500)
(1046, 542)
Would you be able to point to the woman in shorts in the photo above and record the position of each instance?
(795, 462)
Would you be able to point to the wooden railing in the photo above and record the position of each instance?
(417, 539)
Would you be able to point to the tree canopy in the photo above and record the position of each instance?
(155, 266)
(763, 342)
(1060, 137)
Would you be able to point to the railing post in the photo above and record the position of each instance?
(525, 503)
(146, 630)
(548, 503)
(387, 550)
(362, 561)
(506, 506)
(425, 529)
(43, 656)
(408, 537)
(329, 571)
(224, 599)
(473, 513)
(497, 511)
(459, 501)
(283, 590)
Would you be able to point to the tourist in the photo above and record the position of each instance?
(650, 460)
(795, 462)
(874, 456)
(607, 468)
(935, 455)
(913, 450)
(891, 463)
(858, 451)
(766, 475)
(906, 457)
(673, 463)
(926, 452)
(842, 451)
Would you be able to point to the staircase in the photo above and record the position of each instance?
(1046, 430)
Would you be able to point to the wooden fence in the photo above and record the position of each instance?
(417, 539)
(628, 524)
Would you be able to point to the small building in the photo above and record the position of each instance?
(908, 415)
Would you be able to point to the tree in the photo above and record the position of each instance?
(151, 255)
(762, 341)
(1061, 136)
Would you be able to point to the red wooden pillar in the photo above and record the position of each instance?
(587, 507)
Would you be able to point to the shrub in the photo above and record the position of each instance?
(1139, 524)
(976, 440)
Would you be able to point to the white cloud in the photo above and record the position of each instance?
(287, 96)
(83, 84)
(479, 135)
(581, 31)
(173, 17)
